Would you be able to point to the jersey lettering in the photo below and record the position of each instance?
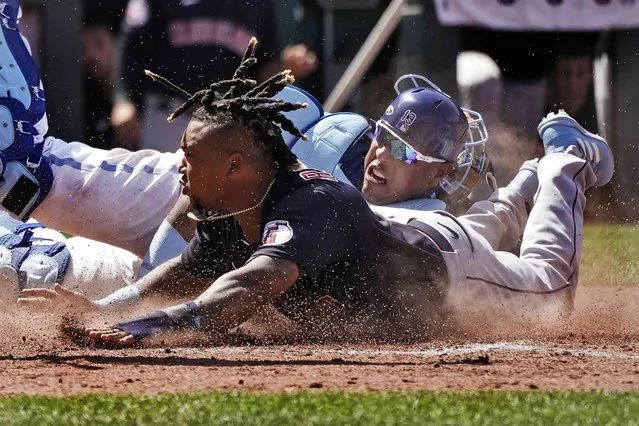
(317, 174)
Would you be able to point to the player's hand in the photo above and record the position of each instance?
(124, 119)
(56, 299)
(299, 59)
(111, 335)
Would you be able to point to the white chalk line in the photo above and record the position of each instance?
(499, 346)
(515, 346)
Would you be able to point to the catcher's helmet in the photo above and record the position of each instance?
(428, 120)
(433, 124)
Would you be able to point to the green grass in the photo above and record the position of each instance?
(610, 255)
(328, 408)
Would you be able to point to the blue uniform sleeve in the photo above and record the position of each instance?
(310, 229)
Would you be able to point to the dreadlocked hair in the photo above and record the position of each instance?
(241, 102)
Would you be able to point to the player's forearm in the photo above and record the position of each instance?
(170, 279)
(230, 301)
(224, 308)
(237, 295)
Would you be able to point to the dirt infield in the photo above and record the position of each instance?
(596, 348)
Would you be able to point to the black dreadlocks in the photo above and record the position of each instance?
(241, 102)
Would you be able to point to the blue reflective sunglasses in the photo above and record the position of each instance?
(399, 149)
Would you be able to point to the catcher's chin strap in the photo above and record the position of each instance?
(492, 182)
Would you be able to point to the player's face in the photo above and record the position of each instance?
(389, 180)
(572, 78)
(204, 168)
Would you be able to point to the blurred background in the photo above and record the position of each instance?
(510, 60)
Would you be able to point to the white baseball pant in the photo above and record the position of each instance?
(546, 271)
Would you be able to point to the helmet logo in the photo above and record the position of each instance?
(390, 110)
(407, 119)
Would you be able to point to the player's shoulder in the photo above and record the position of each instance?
(319, 182)
(302, 177)
(311, 187)
(313, 175)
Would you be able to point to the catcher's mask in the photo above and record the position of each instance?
(430, 122)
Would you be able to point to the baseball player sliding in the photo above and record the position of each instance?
(258, 211)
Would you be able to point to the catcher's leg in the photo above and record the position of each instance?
(545, 274)
(551, 247)
(33, 256)
(501, 218)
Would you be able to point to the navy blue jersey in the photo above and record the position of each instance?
(348, 256)
(192, 43)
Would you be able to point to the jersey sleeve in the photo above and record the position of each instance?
(215, 249)
(310, 229)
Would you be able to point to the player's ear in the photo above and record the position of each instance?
(235, 162)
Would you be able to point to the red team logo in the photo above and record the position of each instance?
(316, 174)
(277, 232)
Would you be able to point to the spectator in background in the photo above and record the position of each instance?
(101, 22)
(191, 43)
(524, 60)
(514, 77)
(571, 79)
(570, 87)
